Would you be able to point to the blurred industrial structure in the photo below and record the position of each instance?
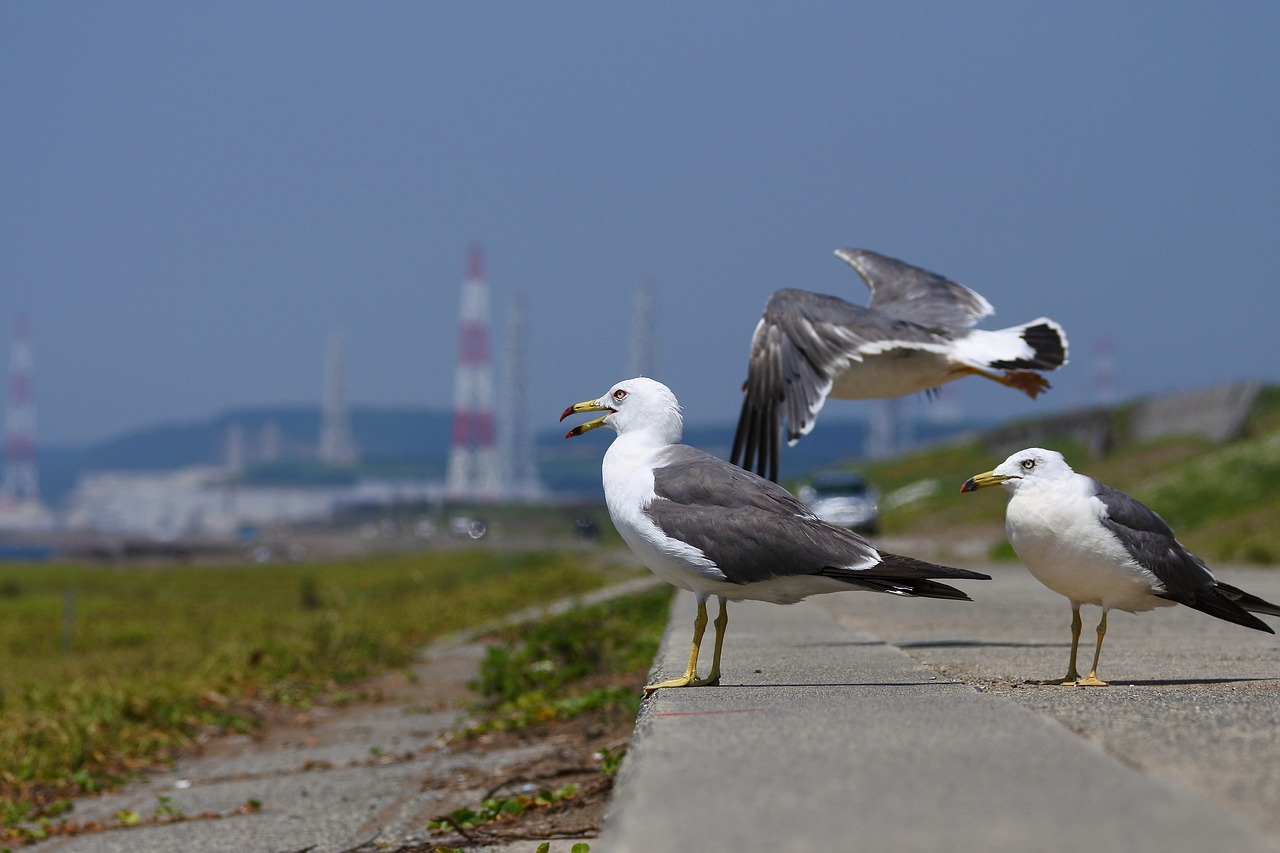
(516, 446)
(337, 445)
(474, 471)
(20, 504)
(641, 363)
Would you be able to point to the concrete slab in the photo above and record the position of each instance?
(824, 737)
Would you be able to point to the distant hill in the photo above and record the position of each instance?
(387, 437)
(402, 442)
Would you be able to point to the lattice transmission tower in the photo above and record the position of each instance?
(21, 482)
(516, 444)
(337, 445)
(641, 363)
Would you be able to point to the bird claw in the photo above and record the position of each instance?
(1029, 383)
(689, 679)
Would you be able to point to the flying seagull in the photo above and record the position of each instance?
(704, 525)
(1098, 546)
(915, 334)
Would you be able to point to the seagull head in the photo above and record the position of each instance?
(1035, 465)
(633, 405)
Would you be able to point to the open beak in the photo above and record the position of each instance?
(588, 406)
(978, 481)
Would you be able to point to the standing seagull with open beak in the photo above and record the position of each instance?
(704, 525)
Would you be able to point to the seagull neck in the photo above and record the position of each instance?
(639, 444)
(649, 437)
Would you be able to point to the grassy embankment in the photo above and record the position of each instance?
(107, 671)
(1223, 500)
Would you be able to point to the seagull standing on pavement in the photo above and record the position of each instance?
(704, 525)
(1096, 545)
(915, 334)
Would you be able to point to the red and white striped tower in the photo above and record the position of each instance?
(21, 483)
(474, 470)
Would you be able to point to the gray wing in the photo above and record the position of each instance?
(801, 343)
(1151, 543)
(755, 530)
(751, 528)
(907, 292)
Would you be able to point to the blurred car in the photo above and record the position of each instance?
(844, 498)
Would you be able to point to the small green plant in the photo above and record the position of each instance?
(498, 808)
(165, 808)
(611, 760)
(614, 636)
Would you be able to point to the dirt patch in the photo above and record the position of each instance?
(573, 759)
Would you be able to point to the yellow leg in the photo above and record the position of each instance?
(1092, 680)
(690, 677)
(1073, 675)
(1027, 381)
(722, 622)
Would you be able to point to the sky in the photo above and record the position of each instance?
(194, 196)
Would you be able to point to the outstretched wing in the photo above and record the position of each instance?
(802, 342)
(907, 292)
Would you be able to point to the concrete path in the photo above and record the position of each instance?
(863, 722)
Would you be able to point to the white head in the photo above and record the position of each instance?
(1031, 467)
(634, 405)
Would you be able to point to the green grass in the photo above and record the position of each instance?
(588, 661)
(156, 656)
(570, 664)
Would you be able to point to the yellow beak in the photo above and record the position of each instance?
(978, 481)
(587, 406)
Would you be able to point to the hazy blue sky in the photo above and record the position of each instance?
(194, 195)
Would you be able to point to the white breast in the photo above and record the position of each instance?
(628, 489)
(1062, 544)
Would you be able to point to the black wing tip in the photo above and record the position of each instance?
(1222, 602)
(933, 589)
(756, 443)
(924, 569)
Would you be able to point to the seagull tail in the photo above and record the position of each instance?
(910, 567)
(907, 576)
(1249, 602)
(1038, 345)
(910, 588)
(1229, 604)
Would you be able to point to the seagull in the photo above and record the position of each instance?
(1096, 545)
(710, 527)
(915, 334)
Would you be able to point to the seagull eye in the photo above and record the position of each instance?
(1028, 464)
(620, 395)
